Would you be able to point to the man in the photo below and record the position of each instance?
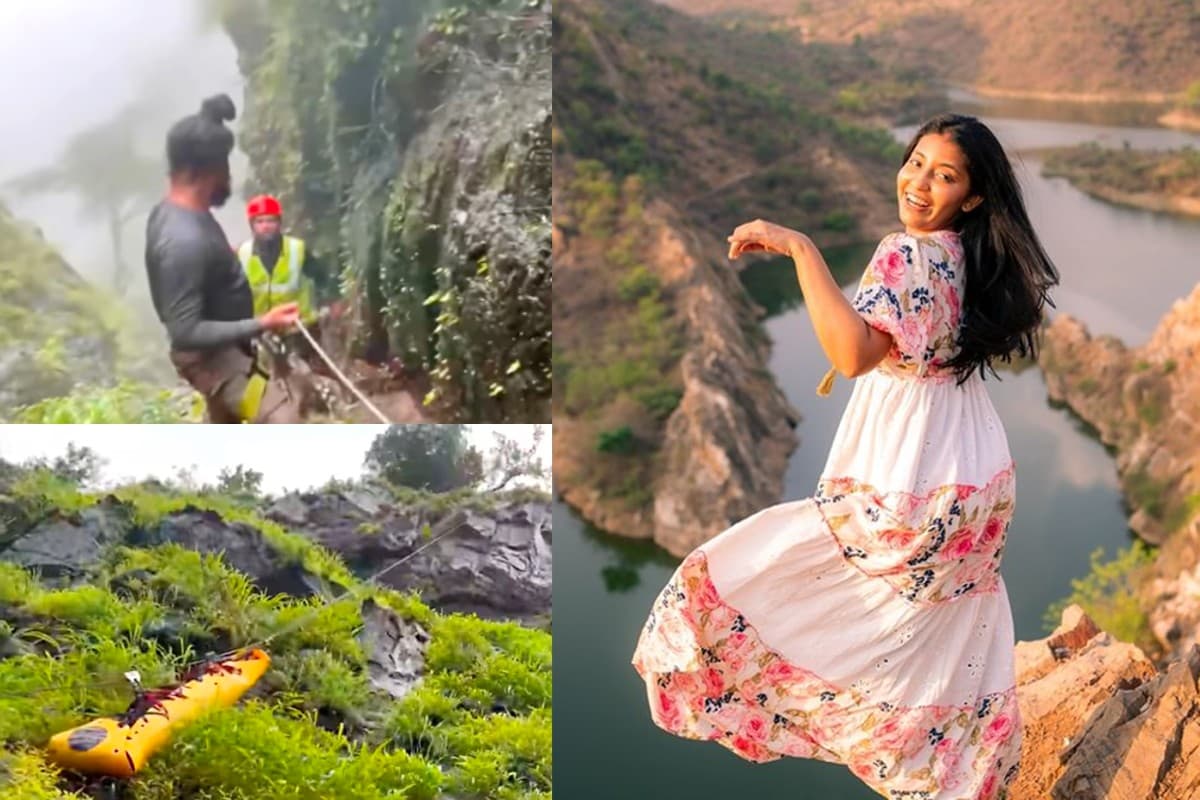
(275, 264)
(199, 290)
(280, 269)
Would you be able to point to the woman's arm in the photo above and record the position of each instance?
(852, 346)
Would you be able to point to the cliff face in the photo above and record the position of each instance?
(723, 448)
(1145, 404)
(1101, 723)
(410, 143)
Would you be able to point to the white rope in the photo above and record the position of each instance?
(345, 381)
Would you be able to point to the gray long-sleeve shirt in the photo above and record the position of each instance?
(197, 285)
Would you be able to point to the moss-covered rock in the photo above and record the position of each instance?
(411, 143)
(471, 720)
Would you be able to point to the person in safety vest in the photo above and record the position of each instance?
(199, 290)
(280, 269)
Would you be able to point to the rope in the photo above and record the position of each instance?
(345, 381)
(296, 623)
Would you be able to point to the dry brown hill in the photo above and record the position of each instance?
(1082, 47)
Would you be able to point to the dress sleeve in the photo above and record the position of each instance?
(894, 295)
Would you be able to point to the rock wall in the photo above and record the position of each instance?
(726, 445)
(410, 143)
(1145, 405)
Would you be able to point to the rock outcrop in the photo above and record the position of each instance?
(726, 445)
(1144, 404)
(1101, 723)
(494, 563)
(395, 649)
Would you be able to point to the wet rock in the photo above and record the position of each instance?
(395, 649)
(494, 563)
(65, 547)
(242, 546)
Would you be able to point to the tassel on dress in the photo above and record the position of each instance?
(826, 384)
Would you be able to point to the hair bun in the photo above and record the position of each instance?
(218, 108)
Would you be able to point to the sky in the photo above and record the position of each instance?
(290, 457)
(71, 64)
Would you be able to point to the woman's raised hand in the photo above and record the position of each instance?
(761, 236)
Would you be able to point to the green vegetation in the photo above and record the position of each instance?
(477, 726)
(1160, 500)
(1191, 96)
(425, 178)
(758, 93)
(638, 348)
(1169, 173)
(1109, 595)
(127, 402)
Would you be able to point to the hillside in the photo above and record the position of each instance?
(58, 332)
(1092, 50)
(374, 691)
(670, 132)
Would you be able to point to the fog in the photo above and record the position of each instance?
(70, 65)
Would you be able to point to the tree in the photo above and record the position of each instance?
(240, 482)
(435, 458)
(509, 460)
(79, 465)
(113, 180)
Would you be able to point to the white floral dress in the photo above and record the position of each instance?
(867, 625)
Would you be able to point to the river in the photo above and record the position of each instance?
(1121, 270)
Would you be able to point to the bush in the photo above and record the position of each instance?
(638, 283)
(839, 221)
(621, 441)
(1109, 595)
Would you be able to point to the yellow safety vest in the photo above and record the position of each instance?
(286, 284)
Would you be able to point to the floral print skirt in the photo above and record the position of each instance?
(867, 625)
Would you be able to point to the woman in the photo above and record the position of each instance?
(869, 625)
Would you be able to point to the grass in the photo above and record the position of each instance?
(477, 726)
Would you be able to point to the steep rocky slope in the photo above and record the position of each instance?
(410, 142)
(1145, 405)
(1101, 723)
(53, 332)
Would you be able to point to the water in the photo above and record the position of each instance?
(1121, 269)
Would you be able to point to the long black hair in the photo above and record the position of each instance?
(1008, 274)
(200, 142)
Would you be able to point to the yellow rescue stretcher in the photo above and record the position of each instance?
(120, 746)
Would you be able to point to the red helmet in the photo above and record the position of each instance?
(263, 206)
